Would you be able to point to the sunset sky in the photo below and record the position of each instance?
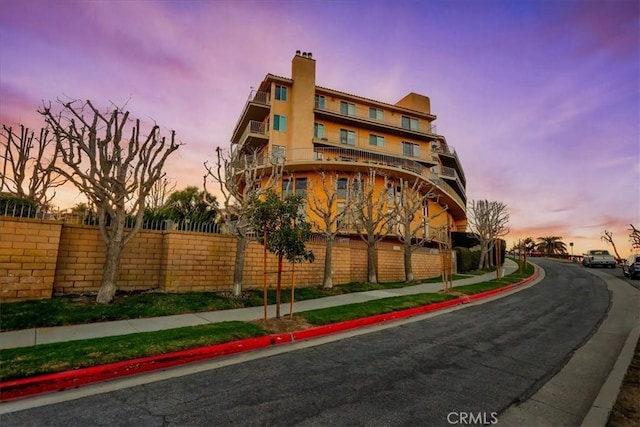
(540, 99)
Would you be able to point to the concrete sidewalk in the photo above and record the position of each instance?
(36, 336)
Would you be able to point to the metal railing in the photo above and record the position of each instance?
(254, 127)
(259, 97)
(21, 210)
(451, 173)
(349, 155)
(362, 142)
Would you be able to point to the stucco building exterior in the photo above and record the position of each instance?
(308, 128)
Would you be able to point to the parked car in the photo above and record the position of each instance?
(631, 266)
(598, 257)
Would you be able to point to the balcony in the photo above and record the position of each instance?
(392, 124)
(256, 108)
(352, 159)
(449, 158)
(362, 143)
(452, 174)
(254, 135)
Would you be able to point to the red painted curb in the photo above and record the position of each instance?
(27, 387)
(11, 390)
(371, 320)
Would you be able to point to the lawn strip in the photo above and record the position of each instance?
(64, 356)
(74, 309)
(341, 313)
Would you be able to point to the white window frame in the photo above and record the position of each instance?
(376, 113)
(281, 93)
(279, 123)
(349, 108)
(376, 140)
(348, 140)
(413, 123)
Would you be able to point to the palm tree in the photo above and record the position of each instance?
(552, 245)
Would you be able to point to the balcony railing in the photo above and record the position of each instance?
(259, 97)
(451, 173)
(363, 143)
(349, 155)
(253, 129)
(362, 113)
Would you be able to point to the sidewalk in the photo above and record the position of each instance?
(36, 336)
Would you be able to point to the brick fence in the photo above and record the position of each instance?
(40, 258)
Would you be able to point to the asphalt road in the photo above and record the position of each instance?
(470, 364)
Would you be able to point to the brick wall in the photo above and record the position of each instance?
(81, 258)
(28, 253)
(38, 258)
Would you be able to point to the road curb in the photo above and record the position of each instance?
(28, 387)
(599, 413)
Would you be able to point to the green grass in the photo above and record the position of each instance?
(341, 313)
(73, 310)
(58, 357)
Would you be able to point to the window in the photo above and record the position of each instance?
(409, 123)
(347, 137)
(356, 189)
(318, 130)
(410, 149)
(318, 155)
(281, 93)
(347, 108)
(376, 113)
(342, 188)
(287, 187)
(301, 186)
(278, 154)
(279, 123)
(376, 140)
(390, 194)
(320, 102)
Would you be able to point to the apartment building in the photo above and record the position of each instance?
(309, 128)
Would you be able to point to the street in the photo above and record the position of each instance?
(467, 365)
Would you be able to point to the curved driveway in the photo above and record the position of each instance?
(477, 360)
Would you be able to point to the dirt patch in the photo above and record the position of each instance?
(284, 324)
(626, 411)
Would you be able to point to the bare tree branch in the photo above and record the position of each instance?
(327, 219)
(411, 219)
(27, 172)
(116, 174)
(240, 178)
(489, 220)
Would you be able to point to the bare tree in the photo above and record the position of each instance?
(489, 220)
(607, 236)
(371, 211)
(634, 237)
(409, 206)
(26, 170)
(160, 191)
(114, 172)
(324, 205)
(241, 178)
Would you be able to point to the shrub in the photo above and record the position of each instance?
(467, 259)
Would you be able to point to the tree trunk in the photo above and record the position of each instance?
(241, 249)
(279, 287)
(327, 282)
(110, 273)
(483, 263)
(371, 262)
(408, 266)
